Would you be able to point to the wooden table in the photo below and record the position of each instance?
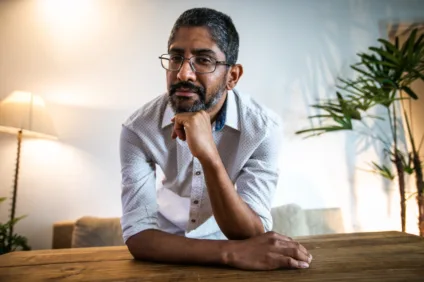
(376, 256)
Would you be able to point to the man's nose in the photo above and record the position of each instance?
(186, 73)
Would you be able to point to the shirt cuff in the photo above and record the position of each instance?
(132, 223)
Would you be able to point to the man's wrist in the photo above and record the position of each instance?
(226, 252)
(210, 160)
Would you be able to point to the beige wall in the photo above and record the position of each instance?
(417, 113)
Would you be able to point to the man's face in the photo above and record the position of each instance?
(190, 91)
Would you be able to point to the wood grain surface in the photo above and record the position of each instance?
(374, 256)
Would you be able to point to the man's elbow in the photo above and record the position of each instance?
(138, 246)
(134, 249)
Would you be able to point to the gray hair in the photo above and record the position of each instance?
(220, 26)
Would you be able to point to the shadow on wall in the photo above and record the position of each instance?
(320, 66)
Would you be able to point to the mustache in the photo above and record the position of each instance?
(188, 85)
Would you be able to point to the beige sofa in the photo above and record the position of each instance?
(290, 220)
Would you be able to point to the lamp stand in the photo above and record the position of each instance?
(15, 186)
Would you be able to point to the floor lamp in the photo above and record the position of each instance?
(24, 114)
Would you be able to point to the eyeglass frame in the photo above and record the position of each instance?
(190, 63)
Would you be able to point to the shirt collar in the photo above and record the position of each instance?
(167, 116)
(228, 115)
(232, 115)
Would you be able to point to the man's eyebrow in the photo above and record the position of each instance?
(196, 51)
(176, 50)
(203, 51)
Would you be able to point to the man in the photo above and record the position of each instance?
(219, 154)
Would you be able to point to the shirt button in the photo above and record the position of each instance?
(195, 202)
(193, 220)
(198, 173)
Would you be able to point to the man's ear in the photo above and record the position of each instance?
(233, 76)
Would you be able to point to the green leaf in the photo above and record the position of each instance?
(386, 55)
(320, 116)
(363, 72)
(383, 171)
(9, 243)
(385, 63)
(407, 163)
(372, 68)
(330, 107)
(325, 129)
(410, 92)
(14, 221)
(390, 46)
(410, 44)
(410, 196)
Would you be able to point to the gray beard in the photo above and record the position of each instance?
(199, 105)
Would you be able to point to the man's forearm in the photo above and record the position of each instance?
(266, 252)
(159, 246)
(234, 217)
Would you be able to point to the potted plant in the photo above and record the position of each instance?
(9, 241)
(383, 74)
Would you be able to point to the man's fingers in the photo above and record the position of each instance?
(296, 254)
(290, 241)
(281, 241)
(298, 246)
(291, 249)
(180, 133)
(178, 129)
(301, 247)
(288, 262)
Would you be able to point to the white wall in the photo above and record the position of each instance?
(95, 62)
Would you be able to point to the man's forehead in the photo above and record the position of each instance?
(193, 39)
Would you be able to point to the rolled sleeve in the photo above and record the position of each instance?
(138, 195)
(258, 179)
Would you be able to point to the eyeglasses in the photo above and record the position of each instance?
(199, 64)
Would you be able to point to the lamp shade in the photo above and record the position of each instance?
(27, 112)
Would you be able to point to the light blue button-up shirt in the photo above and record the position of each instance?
(248, 138)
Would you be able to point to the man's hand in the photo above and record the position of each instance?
(266, 252)
(196, 129)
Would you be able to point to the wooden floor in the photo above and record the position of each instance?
(379, 256)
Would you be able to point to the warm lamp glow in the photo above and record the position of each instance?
(24, 98)
(68, 17)
(27, 112)
(66, 11)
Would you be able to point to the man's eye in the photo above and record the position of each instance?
(175, 59)
(203, 60)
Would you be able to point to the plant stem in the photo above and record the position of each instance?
(399, 167)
